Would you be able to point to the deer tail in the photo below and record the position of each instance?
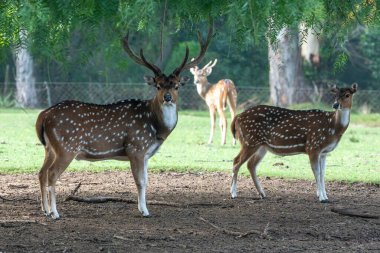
(226, 90)
(40, 127)
(234, 125)
(224, 98)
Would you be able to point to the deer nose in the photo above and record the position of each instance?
(336, 105)
(168, 97)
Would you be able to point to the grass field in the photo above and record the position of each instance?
(356, 159)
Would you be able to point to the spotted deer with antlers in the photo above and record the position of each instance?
(288, 132)
(216, 96)
(129, 130)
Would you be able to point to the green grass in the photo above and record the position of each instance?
(356, 159)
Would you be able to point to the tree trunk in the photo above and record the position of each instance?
(286, 78)
(26, 95)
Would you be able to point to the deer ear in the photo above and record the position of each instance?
(354, 88)
(334, 89)
(208, 71)
(184, 80)
(193, 70)
(149, 80)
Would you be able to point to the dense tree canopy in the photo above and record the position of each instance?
(51, 21)
(66, 34)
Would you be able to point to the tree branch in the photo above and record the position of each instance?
(74, 192)
(102, 199)
(353, 213)
(23, 199)
(5, 222)
(236, 233)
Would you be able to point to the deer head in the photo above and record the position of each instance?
(343, 96)
(200, 75)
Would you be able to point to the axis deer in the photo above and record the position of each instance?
(216, 97)
(288, 132)
(129, 130)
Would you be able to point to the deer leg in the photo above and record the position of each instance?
(59, 165)
(315, 165)
(212, 122)
(43, 178)
(239, 160)
(315, 174)
(139, 167)
(223, 125)
(322, 176)
(252, 164)
(232, 104)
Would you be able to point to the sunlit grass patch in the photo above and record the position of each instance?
(356, 159)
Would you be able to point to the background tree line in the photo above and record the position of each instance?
(79, 41)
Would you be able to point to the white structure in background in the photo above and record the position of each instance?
(26, 95)
(309, 45)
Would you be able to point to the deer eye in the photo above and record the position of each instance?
(347, 95)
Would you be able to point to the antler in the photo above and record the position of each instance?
(208, 64)
(139, 60)
(178, 70)
(203, 45)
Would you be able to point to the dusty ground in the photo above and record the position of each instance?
(289, 220)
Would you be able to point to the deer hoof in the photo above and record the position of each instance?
(55, 217)
(146, 215)
(324, 201)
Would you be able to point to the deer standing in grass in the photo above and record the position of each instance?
(216, 97)
(129, 130)
(288, 132)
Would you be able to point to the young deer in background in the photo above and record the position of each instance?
(289, 132)
(216, 97)
(129, 130)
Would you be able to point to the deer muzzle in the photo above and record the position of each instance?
(336, 106)
(168, 97)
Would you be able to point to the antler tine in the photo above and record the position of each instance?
(215, 61)
(151, 66)
(178, 70)
(203, 45)
(205, 66)
(209, 65)
(141, 61)
(129, 50)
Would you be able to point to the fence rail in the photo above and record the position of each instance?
(48, 94)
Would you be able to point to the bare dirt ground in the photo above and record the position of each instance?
(204, 220)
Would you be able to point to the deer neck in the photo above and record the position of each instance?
(203, 88)
(342, 119)
(165, 117)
